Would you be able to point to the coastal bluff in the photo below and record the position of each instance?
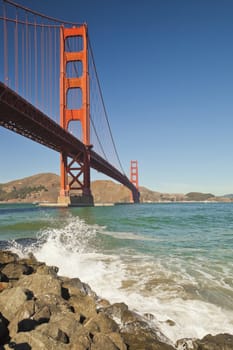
(41, 310)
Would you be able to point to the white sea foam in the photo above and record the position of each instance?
(165, 290)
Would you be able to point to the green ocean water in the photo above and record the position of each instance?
(173, 260)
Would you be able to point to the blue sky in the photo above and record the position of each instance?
(166, 72)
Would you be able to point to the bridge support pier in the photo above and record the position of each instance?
(76, 200)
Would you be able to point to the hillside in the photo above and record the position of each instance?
(45, 188)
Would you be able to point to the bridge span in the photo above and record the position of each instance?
(19, 116)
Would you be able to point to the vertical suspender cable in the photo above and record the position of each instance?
(16, 52)
(50, 67)
(35, 62)
(23, 61)
(46, 70)
(26, 54)
(30, 74)
(5, 47)
(42, 66)
(55, 70)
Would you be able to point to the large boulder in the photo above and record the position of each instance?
(7, 257)
(35, 340)
(209, 342)
(103, 342)
(215, 342)
(11, 300)
(136, 334)
(14, 271)
(40, 284)
(84, 305)
(75, 287)
(101, 323)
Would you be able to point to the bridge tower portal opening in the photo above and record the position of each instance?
(75, 186)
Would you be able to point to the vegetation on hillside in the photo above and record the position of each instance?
(20, 193)
(197, 196)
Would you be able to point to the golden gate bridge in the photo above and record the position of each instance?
(50, 93)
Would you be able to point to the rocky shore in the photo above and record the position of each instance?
(41, 310)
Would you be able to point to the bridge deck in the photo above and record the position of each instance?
(20, 116)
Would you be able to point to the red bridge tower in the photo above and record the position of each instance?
(134, 175)
(75, 172)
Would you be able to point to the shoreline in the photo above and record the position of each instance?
(39, 306)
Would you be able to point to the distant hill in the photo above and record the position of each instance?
(197, 196)
(228, 196)
(45, 188)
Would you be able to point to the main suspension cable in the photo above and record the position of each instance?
(40, 14)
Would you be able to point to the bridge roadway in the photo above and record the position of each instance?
(20, 116)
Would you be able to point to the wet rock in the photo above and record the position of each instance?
(40, 310)
(76, 287)
(7, 257)
(217, 342)
(149, 317)
(129, 317)
(102, 304)
(101, 323)
(136, 334)
(170, 323)
(116, 311)
(186, 344)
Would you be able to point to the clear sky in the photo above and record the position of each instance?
(166, 72)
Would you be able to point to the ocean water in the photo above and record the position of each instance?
(173, 260)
